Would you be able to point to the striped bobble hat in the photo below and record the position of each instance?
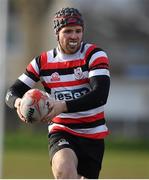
(67, 17)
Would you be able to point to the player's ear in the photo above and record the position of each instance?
(57, 36)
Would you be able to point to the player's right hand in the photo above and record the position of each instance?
(17, 106)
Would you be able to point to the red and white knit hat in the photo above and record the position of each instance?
(67, 17)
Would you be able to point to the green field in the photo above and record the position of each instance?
(26, 156)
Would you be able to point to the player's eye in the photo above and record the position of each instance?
(78, 31)
(68, 31)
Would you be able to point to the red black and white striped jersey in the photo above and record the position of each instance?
(67, 77)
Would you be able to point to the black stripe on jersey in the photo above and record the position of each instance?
(48, 90)
(54, 53)
(100, 66)
(38, 59)
(32, 76)
(86, 125)
(82, 48)
(48, 72)
(91, 53)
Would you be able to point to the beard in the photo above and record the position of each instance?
(70, 48)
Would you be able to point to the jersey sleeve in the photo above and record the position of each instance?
(24, 82)
(98, 63)
(99, 78)
(32, 73)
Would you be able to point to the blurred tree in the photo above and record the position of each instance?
(32, 14)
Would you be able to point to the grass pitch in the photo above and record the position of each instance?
(26, 157)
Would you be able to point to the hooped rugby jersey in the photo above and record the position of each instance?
(66, 77)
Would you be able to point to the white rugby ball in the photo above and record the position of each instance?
(34, 105)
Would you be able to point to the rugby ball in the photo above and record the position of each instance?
(34, 105)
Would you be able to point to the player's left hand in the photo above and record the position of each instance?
(57, 108)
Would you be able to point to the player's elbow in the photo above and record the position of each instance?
(102, 101)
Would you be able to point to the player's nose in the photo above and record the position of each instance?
(74, 35)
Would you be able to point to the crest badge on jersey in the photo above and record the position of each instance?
(78, 73)
(55, 76)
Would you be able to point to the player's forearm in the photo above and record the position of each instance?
(10, 99)
(17, 90)
(97, 97)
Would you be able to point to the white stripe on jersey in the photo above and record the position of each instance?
(81, 114)
(98, 72)
(97, 55)
(27, 80)
(64, 78)
(98, 129)
(50, 57)
(35, 66)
